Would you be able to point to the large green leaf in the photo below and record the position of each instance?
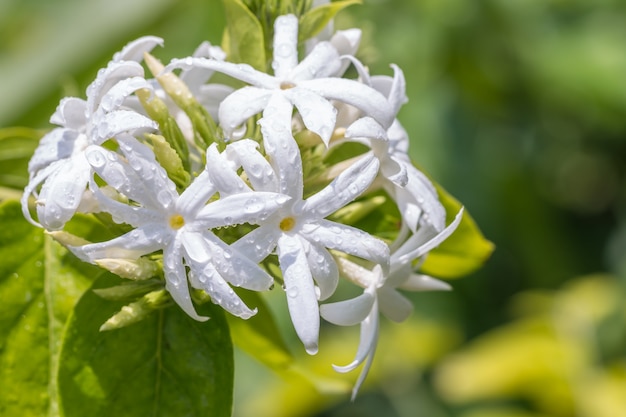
(165, 365)
(463, 252)
(39, 284)
(243, 38)
(313, 21)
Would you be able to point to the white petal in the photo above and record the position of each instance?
(257, 244)
(393, 88)
(134, 50)
(347, 186)
(366, 127)
(235, 267)
(62, 192)
(258, 170)
(434, 242)
(176, 281)
(120, 121)
(114, 98)
(222, 173)
(301, 297)
(346, 42)
(348, 312)
(323, 268)
(211, 96)
(243, 72)
(285, 45)
(281, 147)
(323, 61)
(239, 106)
(349, 240)
(70, 113)
(419, 282)
(394, 305)
(221, 293)
(367, 343)
(359, 95)
(107, 78)
(317, 113)
(196, 195)
(251, 207)
(132, 245)
(55, 145)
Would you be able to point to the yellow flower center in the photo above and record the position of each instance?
(286, 85)
(287, 224)
(177, 221)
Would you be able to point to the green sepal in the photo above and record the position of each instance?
(313, 21)
(465, 251)
(243, 38)
(170, 160)
(157, 110)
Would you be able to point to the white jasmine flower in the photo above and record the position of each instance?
(179, 225)
(307, 85)
(58, 164)
(381, 294)
(299, 231)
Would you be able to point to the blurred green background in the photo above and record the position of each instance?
(518, 108)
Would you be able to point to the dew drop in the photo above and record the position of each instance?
(293, 292)
(96, 158)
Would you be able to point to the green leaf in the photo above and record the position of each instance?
(39, 284)
(243, 38)
(463, 252)
(259, 336)
(166, 365)
(313, 21)
(17, 145)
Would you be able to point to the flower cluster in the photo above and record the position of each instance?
(215, 187)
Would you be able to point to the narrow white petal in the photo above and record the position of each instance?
(258, 170)
(359, 95)
(281, 147)
(243, 72)
(107, 78)
(57, 144)
(392, 88)
(70, 113)
(434, 242)
(176, 280)
(301, 297)
(346, 42)
(317, 113)
(120, 121)
(285, 45)
(251, 207)
(394, 305)
(419, 282)
(196, 195)
(258, 244)
(367, 341)
(366, 127)
(221, 293)
(323, 268)
(134, 50)
(222, 173)
(348, 312)
(132, 245)
(62, 192)
(114, 98)
(349, 240)
(323, 61)
(239, 106)
(347, 186)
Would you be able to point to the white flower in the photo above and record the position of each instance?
(58, 164)
(308, 85)
(299, 231)
(179, 225)
(381, 293)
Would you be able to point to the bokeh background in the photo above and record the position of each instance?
(518, 108)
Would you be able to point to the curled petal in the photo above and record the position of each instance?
(317, 113)
(323, 268)
(176, 281)
(301, 297)
(348, 312)
(134, 50)
(239, 106)
(120, 121)
(58, 144)
(107, 78)
(70, 113)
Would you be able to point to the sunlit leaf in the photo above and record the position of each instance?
(166, 365)
(243, 39)
(463, 252)
(313, 21)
